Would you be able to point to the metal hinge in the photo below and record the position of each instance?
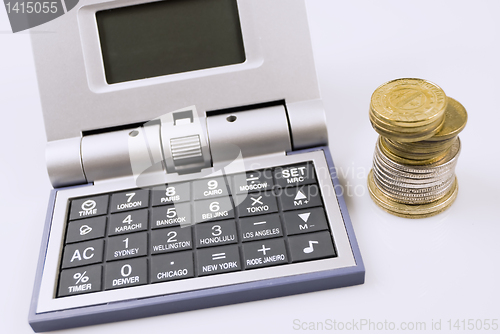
(185, 141)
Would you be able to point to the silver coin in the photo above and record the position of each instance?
(394, 177)
(421, 179)
(415, 193)
(409, 184)
(386, 162)
(412, 201)
(444, 163)
(410, 187)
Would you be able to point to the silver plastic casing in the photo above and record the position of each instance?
(75, 97)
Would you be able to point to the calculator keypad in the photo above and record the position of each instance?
(183, 230)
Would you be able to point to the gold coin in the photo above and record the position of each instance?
(455, 118)
(409, 152)
(411, 210)
(407, 101)
(423, 147)
(385, 125)
(408, 161)
(405, 137)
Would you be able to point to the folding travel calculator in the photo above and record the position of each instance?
(187, 149)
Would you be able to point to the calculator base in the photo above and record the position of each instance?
(199, 299)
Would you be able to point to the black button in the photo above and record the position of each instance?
(83, 253)
(127, 246)
(296, 175)
(260, 227)
(171, 193)
(311, 246)
(300, 198)
(89, 207)
(218, 260)
(126, 222)
(171, 267)
(210, 187)
(129, 200)
(126, 273)
(303, 221)
(80, 280)
(256, 204)
(214, 234)
(213, 209)
(171, 239)
(264, 253)
(171, 215)
(86, 229)
(253, 181)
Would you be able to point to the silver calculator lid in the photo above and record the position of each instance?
(73, 81)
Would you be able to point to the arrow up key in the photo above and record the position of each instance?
(293, 198)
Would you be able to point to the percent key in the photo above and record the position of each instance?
(80, 280)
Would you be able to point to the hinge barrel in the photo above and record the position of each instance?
(185, 142)
(249, 133)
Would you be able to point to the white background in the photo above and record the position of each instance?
(445, 267)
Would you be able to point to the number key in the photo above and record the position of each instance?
(127, 273)
(171, 215)
(218, 233)
(129, 200)
(171, 193)
(213, 209)
(123, 247)
(126, 222)
(171, 239)
(210, 187)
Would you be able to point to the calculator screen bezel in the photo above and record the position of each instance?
(47, 301)
(93, 53)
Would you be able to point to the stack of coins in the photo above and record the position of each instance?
(413, 173)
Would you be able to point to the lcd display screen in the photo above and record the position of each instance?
(168, 37)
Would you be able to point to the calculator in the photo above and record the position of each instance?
(188, 150)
